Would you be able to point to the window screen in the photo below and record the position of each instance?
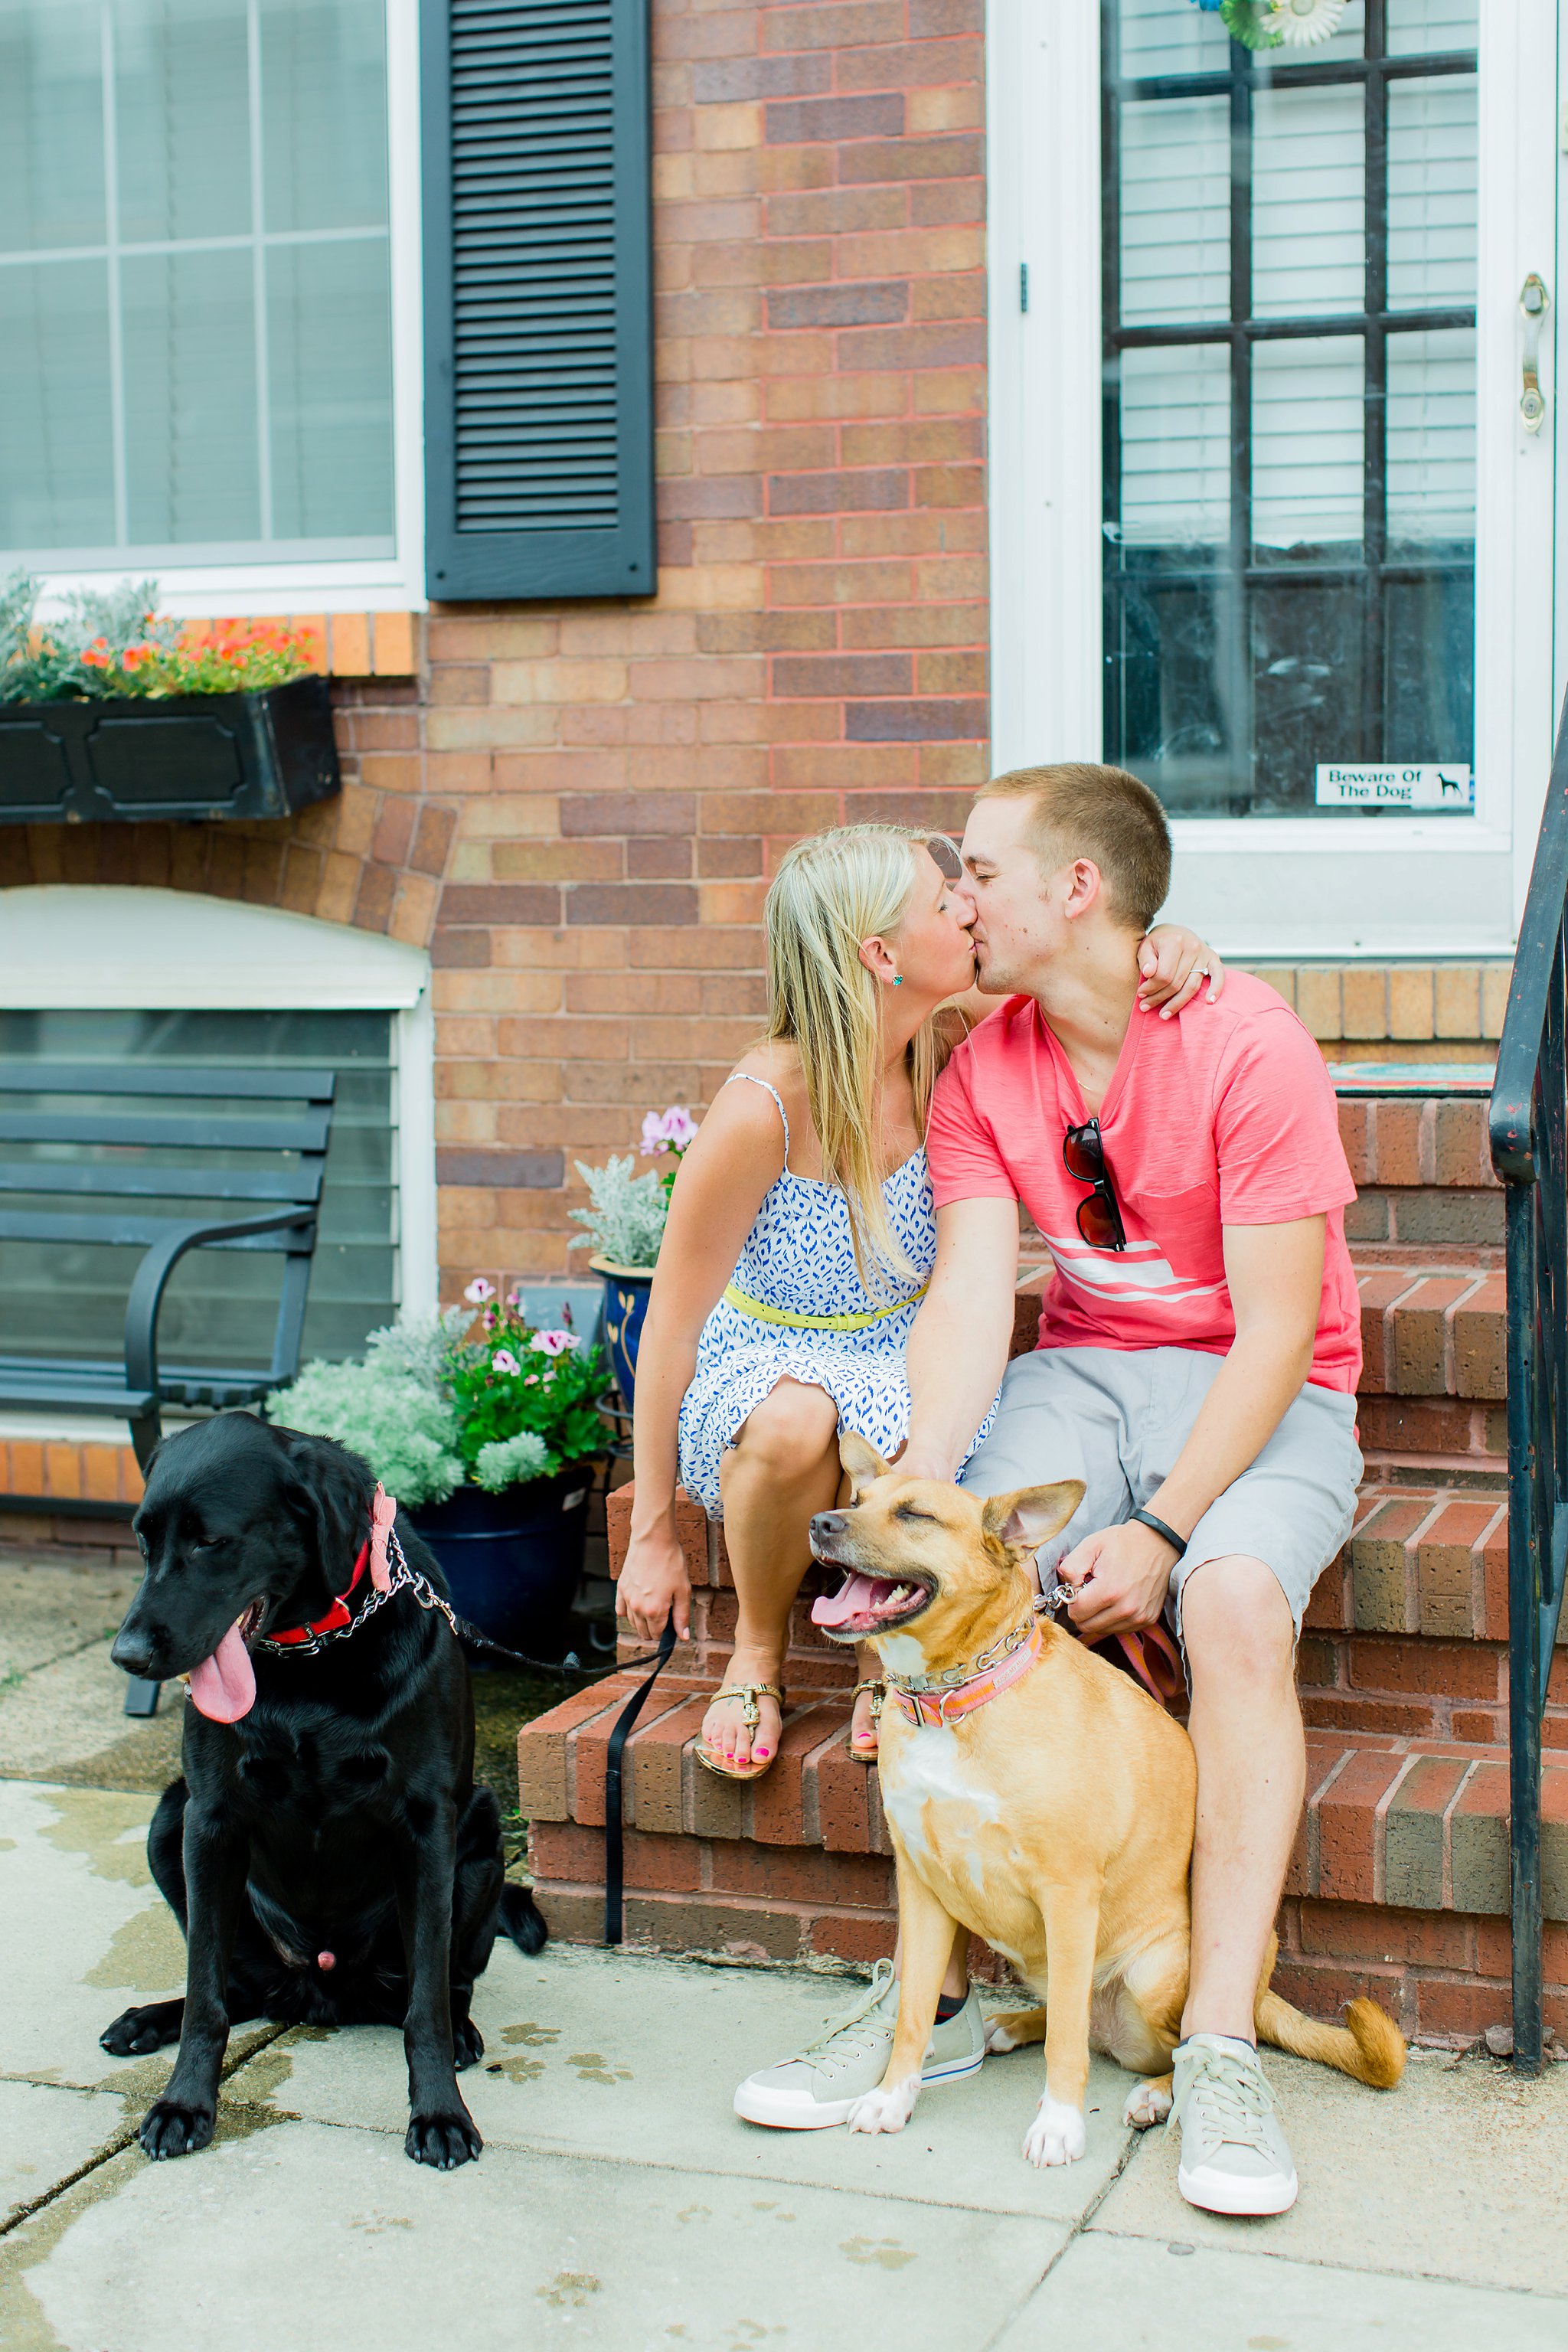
(1290, 401)
(194, 297)
(221, 1306)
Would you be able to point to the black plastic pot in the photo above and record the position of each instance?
(191, 755)
(513, 1560)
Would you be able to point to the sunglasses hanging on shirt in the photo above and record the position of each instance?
(1098, 1218)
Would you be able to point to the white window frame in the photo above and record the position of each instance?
(298, 584)
(1400, 886)
(105, 948)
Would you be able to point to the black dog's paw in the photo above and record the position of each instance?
(170, 2130)
(467, 2044)
(522, 1920)
(445, 2141)
(137, 2032)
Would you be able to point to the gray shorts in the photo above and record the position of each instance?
(1116, 1418)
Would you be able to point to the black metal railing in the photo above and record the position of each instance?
(1530, 1154)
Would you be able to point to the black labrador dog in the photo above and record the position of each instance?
(327, 1855)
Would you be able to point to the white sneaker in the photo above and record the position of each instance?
(1235, 2155)
(821, 2083)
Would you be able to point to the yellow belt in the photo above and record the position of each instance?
(766, 1314)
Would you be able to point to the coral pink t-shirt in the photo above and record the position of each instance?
(1224, 1116)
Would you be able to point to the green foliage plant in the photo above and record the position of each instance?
(627, 1214)
(110, 644)
(473, 1395)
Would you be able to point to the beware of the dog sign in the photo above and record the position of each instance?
(1342, 784)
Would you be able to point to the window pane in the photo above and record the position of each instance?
(182, 119)
(1307, 443)
(1173, 708)
(330, 336)
(221, 1304)
(1161, 36)
(1309, 172)
(190, 397)
(1176, 445)
(57, 466)
(1430, 690)
(1432, 437)
(1418, 25)
(159, 401)
(323, 103)
(1432, 180)
(1307, 645)
(1176, 210)
(51, 125)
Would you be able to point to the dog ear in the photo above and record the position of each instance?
(1030, 1516)
(331, 1494)
(861, 1461)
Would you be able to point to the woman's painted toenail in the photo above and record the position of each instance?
(760, 1752)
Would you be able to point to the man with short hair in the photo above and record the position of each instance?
(1199, 1348)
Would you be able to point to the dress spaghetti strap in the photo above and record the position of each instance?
(753, 1081)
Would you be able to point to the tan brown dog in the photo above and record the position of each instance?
(1054, 1818)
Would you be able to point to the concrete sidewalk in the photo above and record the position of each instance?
(620, 2206)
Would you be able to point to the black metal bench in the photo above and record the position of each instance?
(150, 1150)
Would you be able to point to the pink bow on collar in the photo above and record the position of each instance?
(383, 1511)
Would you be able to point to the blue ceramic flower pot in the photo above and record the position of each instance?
(627, 1289)
(513, 1560)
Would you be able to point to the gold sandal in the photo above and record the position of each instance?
(750, 1715)
(878, 1691)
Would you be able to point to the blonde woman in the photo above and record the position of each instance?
(799, 1238)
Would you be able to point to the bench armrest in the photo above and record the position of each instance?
(142, 1309)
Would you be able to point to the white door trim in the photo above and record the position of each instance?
(1397, 887)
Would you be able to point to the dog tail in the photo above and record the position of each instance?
(1368, 2045)
(522, 1920)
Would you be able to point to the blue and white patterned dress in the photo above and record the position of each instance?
(799, 1258)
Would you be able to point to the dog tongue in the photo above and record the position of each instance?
(856, 1598)
(224, 1685)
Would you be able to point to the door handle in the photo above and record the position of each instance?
(1534, 302)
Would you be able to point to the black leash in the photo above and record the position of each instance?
(615, 1884)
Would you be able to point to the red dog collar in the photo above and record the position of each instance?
(371, 1555)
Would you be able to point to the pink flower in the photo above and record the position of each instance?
(514, 1300)
(503, 1361)
(530, 1380)
(479, 1290)
(555, 1343)
(669, 1130)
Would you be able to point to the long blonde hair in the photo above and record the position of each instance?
(831, 892)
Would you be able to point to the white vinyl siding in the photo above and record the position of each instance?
(1308, 207)
(1308, 409)
(1175, 447)
(1176, 210)
(1432, 193)
(1432, 436)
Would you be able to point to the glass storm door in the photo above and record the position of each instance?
(1325, 273)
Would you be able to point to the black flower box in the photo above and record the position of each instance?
(196, 756)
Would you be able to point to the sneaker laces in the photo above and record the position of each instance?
(845, 2040)
(1238, 2099)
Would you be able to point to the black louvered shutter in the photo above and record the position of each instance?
(538, 300)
